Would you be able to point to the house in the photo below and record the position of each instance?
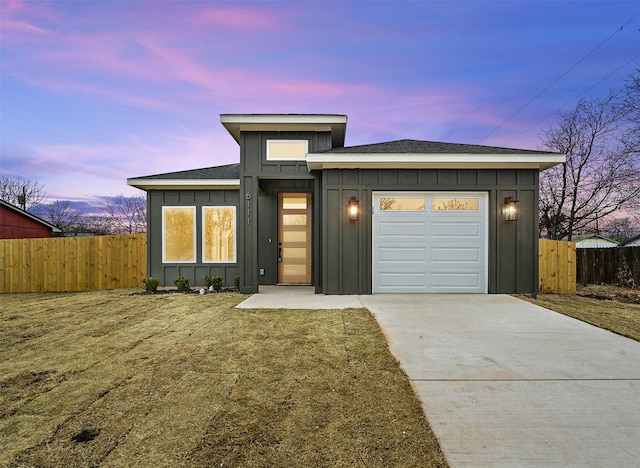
(16, 223)
(633, 242)
(595, 241)
(402, 216)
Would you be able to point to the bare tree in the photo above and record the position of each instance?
(601, 175)
(62, 215)
(631, 108)
(620, 229)
(97, 225)
(21, 192)
(126, 215)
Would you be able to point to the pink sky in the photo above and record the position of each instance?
(95, 92)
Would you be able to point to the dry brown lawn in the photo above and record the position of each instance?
(110, 379)
(608, 307)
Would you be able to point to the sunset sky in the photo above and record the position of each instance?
(93, 92)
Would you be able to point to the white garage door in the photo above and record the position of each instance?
(429, 242)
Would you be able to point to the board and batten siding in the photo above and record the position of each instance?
(255, 229)
(347, 245)
(168, 272)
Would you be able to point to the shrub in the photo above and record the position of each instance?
(213, 280)
(625, 276)
(183, 284)
(151, 284)
(237, 282)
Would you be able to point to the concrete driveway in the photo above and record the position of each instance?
(507, 383)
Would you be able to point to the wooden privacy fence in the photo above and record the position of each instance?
(557, 265)
(72, 263)
(596, 266)
(109, 262)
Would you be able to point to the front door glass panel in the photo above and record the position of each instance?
(294, 238)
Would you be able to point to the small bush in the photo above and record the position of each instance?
(625, 276)
(237, 282)
(183, 283)
(151, 284)
(213, 280)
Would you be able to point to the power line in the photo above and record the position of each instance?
(559, 78)
(574, 98)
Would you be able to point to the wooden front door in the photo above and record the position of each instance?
(294, 238)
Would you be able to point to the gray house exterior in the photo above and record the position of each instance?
(404, 216)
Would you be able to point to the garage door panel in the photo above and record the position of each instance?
(430, 250)
(414, 228)
(402, 254)
(455, 255)
(405, 280)
(458, 229)
(455, 280)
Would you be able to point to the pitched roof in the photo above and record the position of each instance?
(26, 214)
(595, 240)
(217, 177)
(429, 147)
(416, 154)
(632, 241)
(229, 171)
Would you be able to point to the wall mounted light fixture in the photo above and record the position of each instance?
(511, 209)
(354, 209)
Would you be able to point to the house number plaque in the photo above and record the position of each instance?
(248, 197)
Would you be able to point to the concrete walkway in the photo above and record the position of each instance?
(505, 383)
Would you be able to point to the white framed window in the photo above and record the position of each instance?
(455, 204)
(402, 203)
(219, 234)
(178, 234)
(287, 150)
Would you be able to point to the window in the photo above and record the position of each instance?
(179, 234)
(402, 204)
(219, 234)
(454, 204)
(287, 150)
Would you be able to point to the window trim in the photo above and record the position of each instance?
(464, 197)
(235, 234)
(195, 231)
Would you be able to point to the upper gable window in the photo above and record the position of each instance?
(287, 150)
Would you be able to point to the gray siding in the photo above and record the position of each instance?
(253, 153)
(347, 249)
(168, 272)
(268, 224)
(260, 180)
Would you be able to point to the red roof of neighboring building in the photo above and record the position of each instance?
(16, 223)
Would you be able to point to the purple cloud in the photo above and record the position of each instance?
(95, 92)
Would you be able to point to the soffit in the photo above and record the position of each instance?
(335, 160)
(185, 184)
(334, 123)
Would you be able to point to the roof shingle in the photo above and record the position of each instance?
(229, 171)
(428, 147)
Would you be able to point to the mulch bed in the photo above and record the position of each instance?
(175, 291)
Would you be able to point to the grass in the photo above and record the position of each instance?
(606, 307)
(110, 379)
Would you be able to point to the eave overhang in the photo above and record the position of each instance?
(184, 184)
(334, 123)
(333, 160)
